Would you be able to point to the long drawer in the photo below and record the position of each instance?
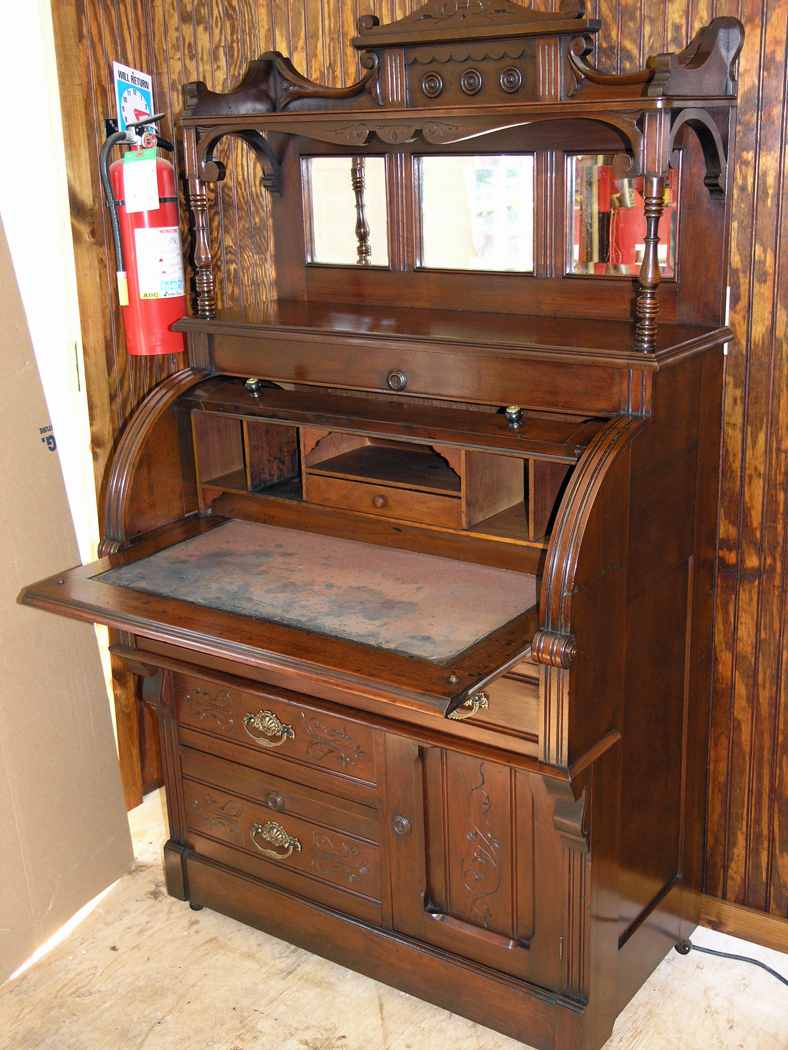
(277, 729)
(318, 846)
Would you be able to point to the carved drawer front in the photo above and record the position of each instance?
(386, 501)
(275, 727)
(273, 829)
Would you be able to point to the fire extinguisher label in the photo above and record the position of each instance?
(140, 185)
(159, 262)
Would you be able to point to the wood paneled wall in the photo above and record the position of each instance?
(212, 40)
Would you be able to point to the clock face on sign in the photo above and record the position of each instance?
(133, 106)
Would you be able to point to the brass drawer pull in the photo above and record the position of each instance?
(473, 704)
(266, 722)
(275, 834)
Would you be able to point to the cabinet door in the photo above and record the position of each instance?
(462, 846)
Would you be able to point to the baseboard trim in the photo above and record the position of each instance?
(770, 931)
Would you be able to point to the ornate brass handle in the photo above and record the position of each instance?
(276, 834)
(474, 703)
(266, 722)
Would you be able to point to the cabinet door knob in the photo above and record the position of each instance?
(401, 824)
(378, 501)
(396, 380)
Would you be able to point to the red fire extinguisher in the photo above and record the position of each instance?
(148, 250)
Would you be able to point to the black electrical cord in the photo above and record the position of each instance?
(685, 947)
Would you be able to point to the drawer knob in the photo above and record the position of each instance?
(277, 836)
(268, 724)
(378, 501)
(473, 704)
(396, 380)
(401, 825)
(274, 801)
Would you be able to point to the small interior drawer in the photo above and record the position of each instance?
(385, 501)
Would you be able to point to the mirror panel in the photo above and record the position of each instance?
(609, 227)
(477, 213)
(340, 195)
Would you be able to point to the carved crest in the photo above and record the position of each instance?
(447, 20)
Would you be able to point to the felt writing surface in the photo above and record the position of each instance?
(415, 604)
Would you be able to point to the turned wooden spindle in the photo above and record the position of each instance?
(650, 274)
(364, 250)
(203, 275)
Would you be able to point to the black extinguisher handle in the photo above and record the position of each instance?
(112, 204)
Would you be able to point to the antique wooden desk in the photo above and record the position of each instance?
(417, 560)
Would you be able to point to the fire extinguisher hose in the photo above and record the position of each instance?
(112, 204)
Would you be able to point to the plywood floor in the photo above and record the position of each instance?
(144, 971)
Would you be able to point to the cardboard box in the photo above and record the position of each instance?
(64, 835)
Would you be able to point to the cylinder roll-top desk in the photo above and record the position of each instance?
(416, 559)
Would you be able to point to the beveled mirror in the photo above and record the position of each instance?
(476, 212)
(345, 210)
(607, 227)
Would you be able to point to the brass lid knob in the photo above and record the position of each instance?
(513, 416)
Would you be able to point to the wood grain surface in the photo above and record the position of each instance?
(182, 40)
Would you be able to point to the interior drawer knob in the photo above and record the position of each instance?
(378, 501)
(277, 836)
(514, 416)
(268, 724)
(396, 380)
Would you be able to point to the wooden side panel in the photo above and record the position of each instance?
(747, 854)
(652, 796)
